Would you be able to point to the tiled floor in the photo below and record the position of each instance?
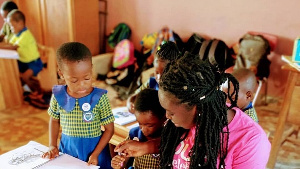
(24, 123)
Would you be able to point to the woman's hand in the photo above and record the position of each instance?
(132, 148)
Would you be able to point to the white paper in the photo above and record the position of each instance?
(123, 116)
(9, 54)
(29, 156)
(66, 161)
(24, 157)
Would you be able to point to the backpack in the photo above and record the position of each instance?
(165, 34)
(123, 67)
(193, 44)
(252, 54)
(120, 32)
(123, 54)
(120, 77)
(217, 53)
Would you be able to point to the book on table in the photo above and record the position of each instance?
(29, 156)
(289, 60)
(123, 116)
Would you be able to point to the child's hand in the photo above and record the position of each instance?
(93, 159)
(117, 162)
(51, 153)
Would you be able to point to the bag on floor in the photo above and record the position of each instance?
(165, 34)
(121, 77)
(120, 32)
(193, 44)
(217, 53)
(252, 54)
(123, 55)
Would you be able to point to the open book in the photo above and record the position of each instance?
(29, 157)
(123, 116)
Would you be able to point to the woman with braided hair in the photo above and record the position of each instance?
(203, 131)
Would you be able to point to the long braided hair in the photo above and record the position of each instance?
(197, 84)
(168, 51)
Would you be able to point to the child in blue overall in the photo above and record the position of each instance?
(151, 117)
(79, 109)
(167, 52)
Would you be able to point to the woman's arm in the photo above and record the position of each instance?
(132, 148)
(254, 154)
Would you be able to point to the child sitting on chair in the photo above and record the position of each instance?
(6, 7)
(29, 61)
(151, 117)
(247, 86)
(79, 109)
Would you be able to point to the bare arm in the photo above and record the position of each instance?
(134, 148)
(4, 45)
(53, 136)
(109, 131)
(1, 37)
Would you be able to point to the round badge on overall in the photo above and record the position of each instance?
(88, 116)
(86, 107)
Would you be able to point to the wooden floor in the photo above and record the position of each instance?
(20, 125)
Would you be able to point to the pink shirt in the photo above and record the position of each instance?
(248, 145)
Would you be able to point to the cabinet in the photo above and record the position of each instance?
(54, 22)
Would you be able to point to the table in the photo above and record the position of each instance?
(124, 120)
(289, 111)
(121, 133)
(11, 93)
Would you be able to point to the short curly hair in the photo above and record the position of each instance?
(72, 51)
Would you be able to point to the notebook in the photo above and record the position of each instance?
(123, 116)
(29, 157)
(296, 50)
(288, 59)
